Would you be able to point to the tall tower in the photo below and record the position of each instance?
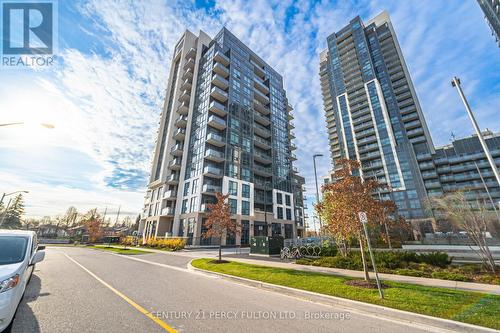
(491, 10)
(373, 114)
(225, 127)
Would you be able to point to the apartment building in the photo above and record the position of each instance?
(226, 126)
(491, 10)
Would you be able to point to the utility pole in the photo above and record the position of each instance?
(456, 83)
(317, 189)
(118, 214)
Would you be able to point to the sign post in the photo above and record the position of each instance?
(364, 220)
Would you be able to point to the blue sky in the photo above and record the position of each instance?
(105, 94)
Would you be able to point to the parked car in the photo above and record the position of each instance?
(19, 252)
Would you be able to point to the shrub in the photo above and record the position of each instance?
(439, 259)
(449, 276)
(411, 272)
(328, 251)
(174, 244)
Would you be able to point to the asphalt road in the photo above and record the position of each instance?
(85, 290)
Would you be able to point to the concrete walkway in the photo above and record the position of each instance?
(470, 286)
(233, 254)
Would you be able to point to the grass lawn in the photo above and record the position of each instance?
(119, 250)
(470, 307)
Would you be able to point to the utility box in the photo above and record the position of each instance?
(266, 246)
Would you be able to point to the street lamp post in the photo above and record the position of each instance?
(317, 188)
(11, 193)
(456, 83)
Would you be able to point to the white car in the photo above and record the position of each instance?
(19, 252)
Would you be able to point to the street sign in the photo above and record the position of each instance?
(362, 217)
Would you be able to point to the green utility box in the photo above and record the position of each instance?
(267, 246)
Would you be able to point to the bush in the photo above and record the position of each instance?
(438, 259)
(328, 251)
(411, 272)
(449, 276)
(174, 244)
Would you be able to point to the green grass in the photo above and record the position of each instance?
(119, 250)
(469, 307)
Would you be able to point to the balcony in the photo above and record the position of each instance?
(220, 82)
(222, 58)
(185, 97)
(259, 84)
(183, 108)
(181, 122)
(221, 70)
(172, 179)
(261, 119)
(293, 146)
(210, 189)
(218, 108)
(175, 164)
(212, 171)
(177, 149)
(168, 211)
(218, 94)
(292, 135)
(261, 130)
(189, 64)
(188, 74)
(293, 157)
(216, 140)
(261, 143)
(261, 107)
(257, 69)
(186, 85)
(214, 155)
(180, 134)
(204, 207)
(263, 171)
(262, 158)
(191, 53)
(170, 195)
(216, 122)
(260, 97)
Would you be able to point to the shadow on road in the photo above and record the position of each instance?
(25, 320)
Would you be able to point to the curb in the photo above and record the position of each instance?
(433, 323)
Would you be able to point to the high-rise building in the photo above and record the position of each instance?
(225, 127)
(373, 114)
(491, 10)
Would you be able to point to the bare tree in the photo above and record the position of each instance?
(474, 219)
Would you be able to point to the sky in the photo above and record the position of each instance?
(105, 92)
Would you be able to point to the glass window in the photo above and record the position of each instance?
(245, 191)
(186, 188)
(192, 206)
(280, 213)
(245, 208)
(287, 200)
(279, 199)
(245, 174)
(12, 249)
(233, 188)
(233, 203)
(184, 206)
(288, 214)
(195, 185)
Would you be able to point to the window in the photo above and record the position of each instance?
(233, 206)
(287, 200)
(233, 188)
(245, 175)
(245, 208)
(184, 206)
(280, 213)
(245, 191)
(192, 206)
(288, 214)
(195, 185)
(186, 189)
(159, 193)
(279, 199)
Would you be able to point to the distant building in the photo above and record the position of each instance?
(491, 10)
(226, 126)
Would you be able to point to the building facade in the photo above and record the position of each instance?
(491, 10)
(225, 127)
(372, 111)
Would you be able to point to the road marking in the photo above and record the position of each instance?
(139, 308)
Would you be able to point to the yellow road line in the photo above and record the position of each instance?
(139, 308)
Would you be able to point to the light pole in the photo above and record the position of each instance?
(49, 126)
(317, 188)
(456, 83)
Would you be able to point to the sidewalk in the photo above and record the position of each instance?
(470, 286)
